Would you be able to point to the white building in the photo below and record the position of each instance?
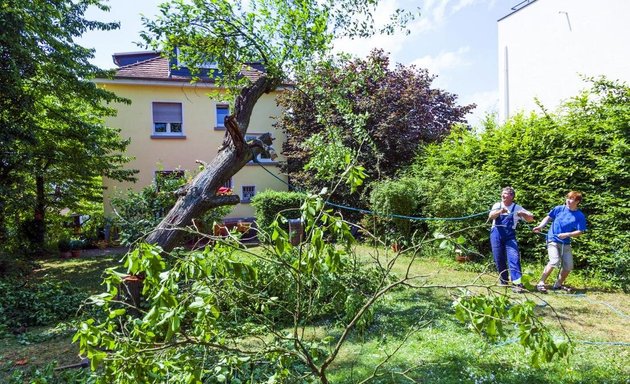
(546, 45)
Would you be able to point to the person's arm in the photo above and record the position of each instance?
(525, 215)
(565, 235)
(542, 224)
(495, 212)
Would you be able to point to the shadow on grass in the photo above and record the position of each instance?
(446, 351)
(458, 364)
(85, 272)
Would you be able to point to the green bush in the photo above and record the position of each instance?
(584, 147)
(269, 204)
(396, 198)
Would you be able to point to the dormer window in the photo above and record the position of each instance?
(204, 65)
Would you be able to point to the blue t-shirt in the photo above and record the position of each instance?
(565, 220)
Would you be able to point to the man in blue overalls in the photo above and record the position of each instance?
(505, 216)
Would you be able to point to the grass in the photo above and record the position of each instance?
(434, 347)
(430, 345)
(40, 346)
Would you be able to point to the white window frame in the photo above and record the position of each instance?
(169, 124)
(247, 197)
(220, 122)
(251, 136)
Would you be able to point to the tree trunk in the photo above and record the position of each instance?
(39, 227)
(200, 194)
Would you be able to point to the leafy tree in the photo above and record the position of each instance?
(282, 36)
(383, 116)
(55, 146)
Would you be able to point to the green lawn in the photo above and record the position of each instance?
(417, 324)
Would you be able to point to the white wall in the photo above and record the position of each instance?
(545, 46)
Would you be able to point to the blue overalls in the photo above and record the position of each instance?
(505, 248)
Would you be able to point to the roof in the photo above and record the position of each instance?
(157, 68)
(518, 7)
(160, 68)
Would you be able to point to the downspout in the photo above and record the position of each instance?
(506, 90)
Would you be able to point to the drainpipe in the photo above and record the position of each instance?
(506, 89)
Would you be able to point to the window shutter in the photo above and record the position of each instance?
(167, 112)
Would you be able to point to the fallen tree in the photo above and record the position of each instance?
(284, 37)
(200, 194)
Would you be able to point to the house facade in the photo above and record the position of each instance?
(174, 124)
(546, 46)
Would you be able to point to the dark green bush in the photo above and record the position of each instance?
(269, 204)
(396, 198)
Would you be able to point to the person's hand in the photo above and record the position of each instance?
(563, 236)
(536, 229)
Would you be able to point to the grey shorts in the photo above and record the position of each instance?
(560, 255)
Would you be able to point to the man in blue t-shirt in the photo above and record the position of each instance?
(567, 222)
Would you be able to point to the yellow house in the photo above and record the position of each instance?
(173, 123)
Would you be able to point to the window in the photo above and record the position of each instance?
(167, 119)
(262, 157)
(248, 193)
(222, 111)
(208, 64)
(228, 184)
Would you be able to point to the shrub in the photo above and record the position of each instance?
(269, 204)
(396, 198)
(584, 147)
(138, 213)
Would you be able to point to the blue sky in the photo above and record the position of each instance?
(454, 39)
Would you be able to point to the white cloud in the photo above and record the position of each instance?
(433, 14)
(444, 61)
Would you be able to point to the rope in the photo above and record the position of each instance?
(615, 310)
(391, 216)
(415, 218)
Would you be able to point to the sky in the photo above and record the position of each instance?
(456, 40)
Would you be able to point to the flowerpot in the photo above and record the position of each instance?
(397, 247)
(130, 292)
(461, 257)
(65, 254)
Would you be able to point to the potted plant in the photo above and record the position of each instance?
(65, 248)
(76, 246)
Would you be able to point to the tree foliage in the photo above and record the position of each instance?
(584, 147)
(383, 116)
(55, 145)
